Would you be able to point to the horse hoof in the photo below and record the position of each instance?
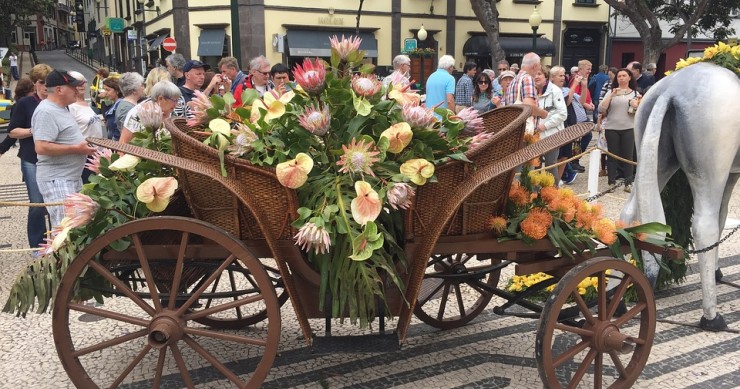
(718, 275)
(716, 324)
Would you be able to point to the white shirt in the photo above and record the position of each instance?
(13, 60)
(89, 122)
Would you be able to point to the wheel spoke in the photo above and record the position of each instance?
(618, 363)
(131, 366)
(160, 366)
(432, 293)
(571, 352)
(225, 336)
(214, 361)
(460, 303)
(477, 288)
(639, 307)
(147, 272)
(181, 366)
(598, 370)
(439, 259)
(583, 307)
(178, 271)
(222, 307)
(108, 314)
(121, 287)
(109, 343)
(582, 369)
(573, 329)
(233, 289)
(602, 296)
(213, 289)
(443, 302)
(210, 279)
(618, 294)
(466, 258)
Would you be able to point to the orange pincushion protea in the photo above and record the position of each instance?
(587, 214)
(518, 194)
(536, 224)
(605, 231)
(497, 224)
(550, 194)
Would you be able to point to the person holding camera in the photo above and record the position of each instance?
(619, 107)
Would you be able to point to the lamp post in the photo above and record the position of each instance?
(422, 35)
(140, 34)
(534, 21)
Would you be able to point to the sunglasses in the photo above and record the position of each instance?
(264, 73)
(483, 82)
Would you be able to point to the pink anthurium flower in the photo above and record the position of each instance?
(417, 170)
(156, 192)
(294, 173)
(126, 163)
(366, 206)
(404, 96)
(399, 135)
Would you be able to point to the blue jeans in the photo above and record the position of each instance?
(36, 227)
(14, 72)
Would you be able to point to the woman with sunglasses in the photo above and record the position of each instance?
(483, 97)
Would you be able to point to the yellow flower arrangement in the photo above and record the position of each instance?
(727, 56)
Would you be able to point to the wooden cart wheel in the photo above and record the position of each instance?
(239, 280)
(449, 297)
(150, 328)
(610, 348)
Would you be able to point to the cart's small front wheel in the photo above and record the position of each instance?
(453, 291)
(148, 332)
(605, 345)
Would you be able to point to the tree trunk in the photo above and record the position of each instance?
(487, 14)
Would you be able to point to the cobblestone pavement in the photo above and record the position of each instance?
(490, 352)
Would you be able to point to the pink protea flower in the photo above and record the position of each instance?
(418, 116)
(198, 106)
(358, 157)
(345, 46)
(399, 195)
(316, 121)
(150, 115)
(93, 161)
(311, 76)
(473, 123)
(366, 206)
(399, 136)
(294, 173)
(398, 80)
(243, 141)
(478, 139)
(79, 209)
(366, 86)
(311, 236)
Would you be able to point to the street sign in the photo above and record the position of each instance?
(131, 35)
(409, 44)
(115, 24)
(169, 44)
(105, 31)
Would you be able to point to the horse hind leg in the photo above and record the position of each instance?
(729, 187)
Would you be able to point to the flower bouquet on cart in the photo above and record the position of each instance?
(354, 151)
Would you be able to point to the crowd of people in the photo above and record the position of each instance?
(558, 99)
(51, 118)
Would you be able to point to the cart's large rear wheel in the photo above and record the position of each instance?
(450, 295)
(147, 328)
(607, 348)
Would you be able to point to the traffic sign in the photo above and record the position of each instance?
(115, 24)
(409, 44)
(169, 44)
(105, 31)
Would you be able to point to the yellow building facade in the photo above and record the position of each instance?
(288, 30)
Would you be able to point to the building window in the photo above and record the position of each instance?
(585, 1)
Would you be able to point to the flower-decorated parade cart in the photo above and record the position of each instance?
(384, 233)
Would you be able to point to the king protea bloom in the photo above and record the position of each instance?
(60, 238)
(358, 157)
(399, 136)
(156, 192)
(150, 115)
(399, 195)
(244, 138)
(366, 86)
(311, 236)
(345, 46)
(316, 121)
(473, 123)
(404, 96)
(418, 116)
(417, 170)
(79, 209)
(198, 107)
(294, 173)
(93, 161)
(125, 164)
(366, 206)
(311, 76)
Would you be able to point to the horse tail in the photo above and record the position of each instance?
(647, 192)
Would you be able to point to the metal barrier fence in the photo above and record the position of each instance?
(87, 57)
